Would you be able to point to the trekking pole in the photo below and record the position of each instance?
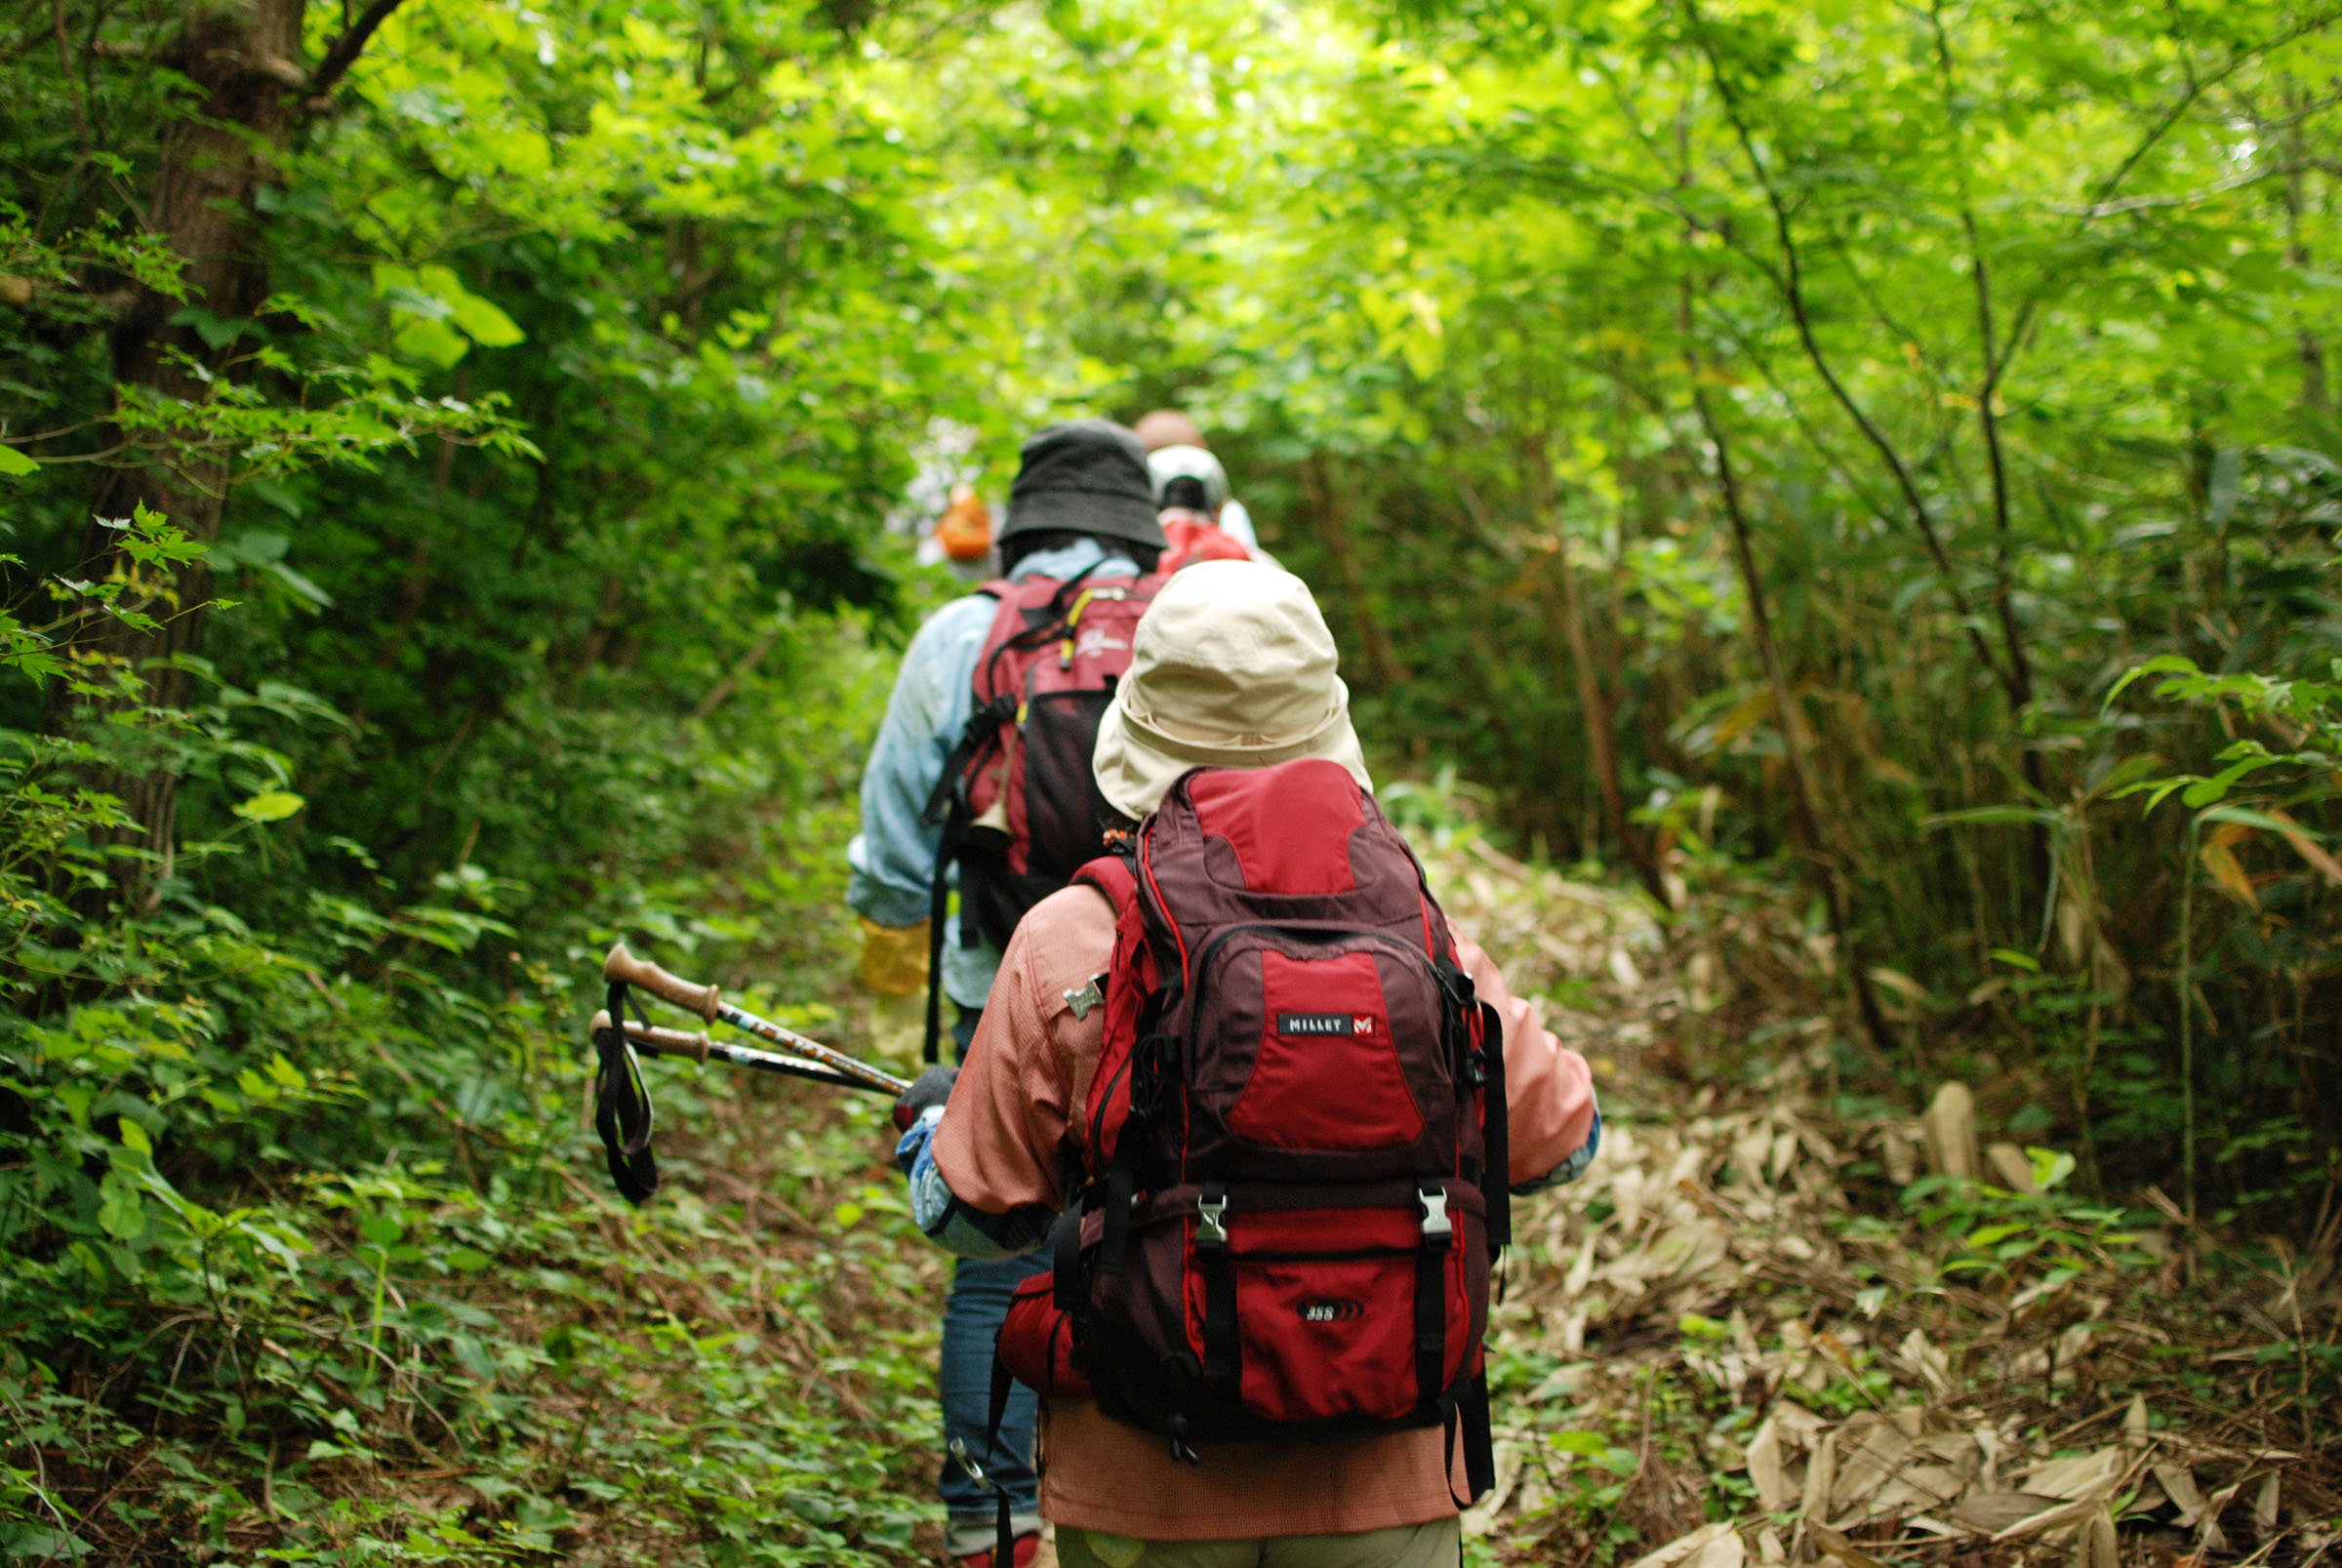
(650, 1040)
(621, 968)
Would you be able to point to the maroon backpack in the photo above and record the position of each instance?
(1018, 804)
(1295, 1170)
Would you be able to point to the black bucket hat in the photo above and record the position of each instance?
(1086, 476)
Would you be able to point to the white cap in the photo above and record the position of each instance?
(1167, 464)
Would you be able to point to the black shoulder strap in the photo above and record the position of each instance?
(1496, 1137)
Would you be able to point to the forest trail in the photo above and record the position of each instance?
(1733, 1342)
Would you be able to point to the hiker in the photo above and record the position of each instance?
(1078, 537)
(1165, 429)
(1191, 490)
(1105, 1023)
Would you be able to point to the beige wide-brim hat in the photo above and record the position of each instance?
(1232, 667)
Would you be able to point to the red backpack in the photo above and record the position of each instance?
(1295, 1170)
(1017, 803)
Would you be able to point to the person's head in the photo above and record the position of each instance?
(1188, 477)
(1232, 667)
(1168, 427)
(1084, 479)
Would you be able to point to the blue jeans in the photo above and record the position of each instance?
(972, 1318)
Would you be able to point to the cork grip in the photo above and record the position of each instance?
(692, 1044)
(624, 968)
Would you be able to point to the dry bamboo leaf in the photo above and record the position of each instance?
(2147, 1499)
(2305, 846)
(2180, 1487)
(1869, 1451)
(2095, 1545)
(1991, 1512)
(2228, 872)
(2081, 1476)
(1724, 1552)
(2014, 1168)
(2071, 1346)
(1765, 1469)
(2134, 1420)
(1820, 1476)
(1923, 1357)
(1838, 1546)
(2212, 1537)
(1684, 1548)
(1769, 1549)
(1951, 1126)
(2264, 1507)
(2048, 1519)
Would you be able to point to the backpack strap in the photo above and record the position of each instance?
(1114, 876)
(1431, 1294)
(1496, 1138)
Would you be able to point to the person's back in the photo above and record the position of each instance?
(1235, 669)
(1177, 451)
(1081, 510)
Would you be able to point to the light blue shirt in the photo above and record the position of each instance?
(893, 856)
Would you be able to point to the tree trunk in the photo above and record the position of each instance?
(243, 59)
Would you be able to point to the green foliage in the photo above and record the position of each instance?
(2035, 1240)
(482, 512)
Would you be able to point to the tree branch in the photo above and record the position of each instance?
(345, 51)
(1793, 288)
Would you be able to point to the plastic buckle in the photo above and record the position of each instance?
(1435, 1224)
(1211, 1229)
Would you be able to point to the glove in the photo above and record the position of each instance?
(894, 958)
(927, 1092)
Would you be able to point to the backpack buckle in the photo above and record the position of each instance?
(1211, 1225)
(1435, 1224)
(1083, 998)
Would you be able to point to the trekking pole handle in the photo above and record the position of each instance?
(656, 1041)
(622, 968)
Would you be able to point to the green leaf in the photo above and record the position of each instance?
(2161, 664)
(435, 341)
(119, 1209)
(2206, 790)
(488, 327)
(270, 806)
(13, 462)
(2050, 1169)
(1992, 1233)
(1591, 1445)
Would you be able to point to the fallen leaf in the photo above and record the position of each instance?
(1991, 1512)
(1766, 1469)
(2180, 1487)
(1838, 1546)
(1685, 1547)
(2264, 1507)
(2095, 1543)
(2083, 1476)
